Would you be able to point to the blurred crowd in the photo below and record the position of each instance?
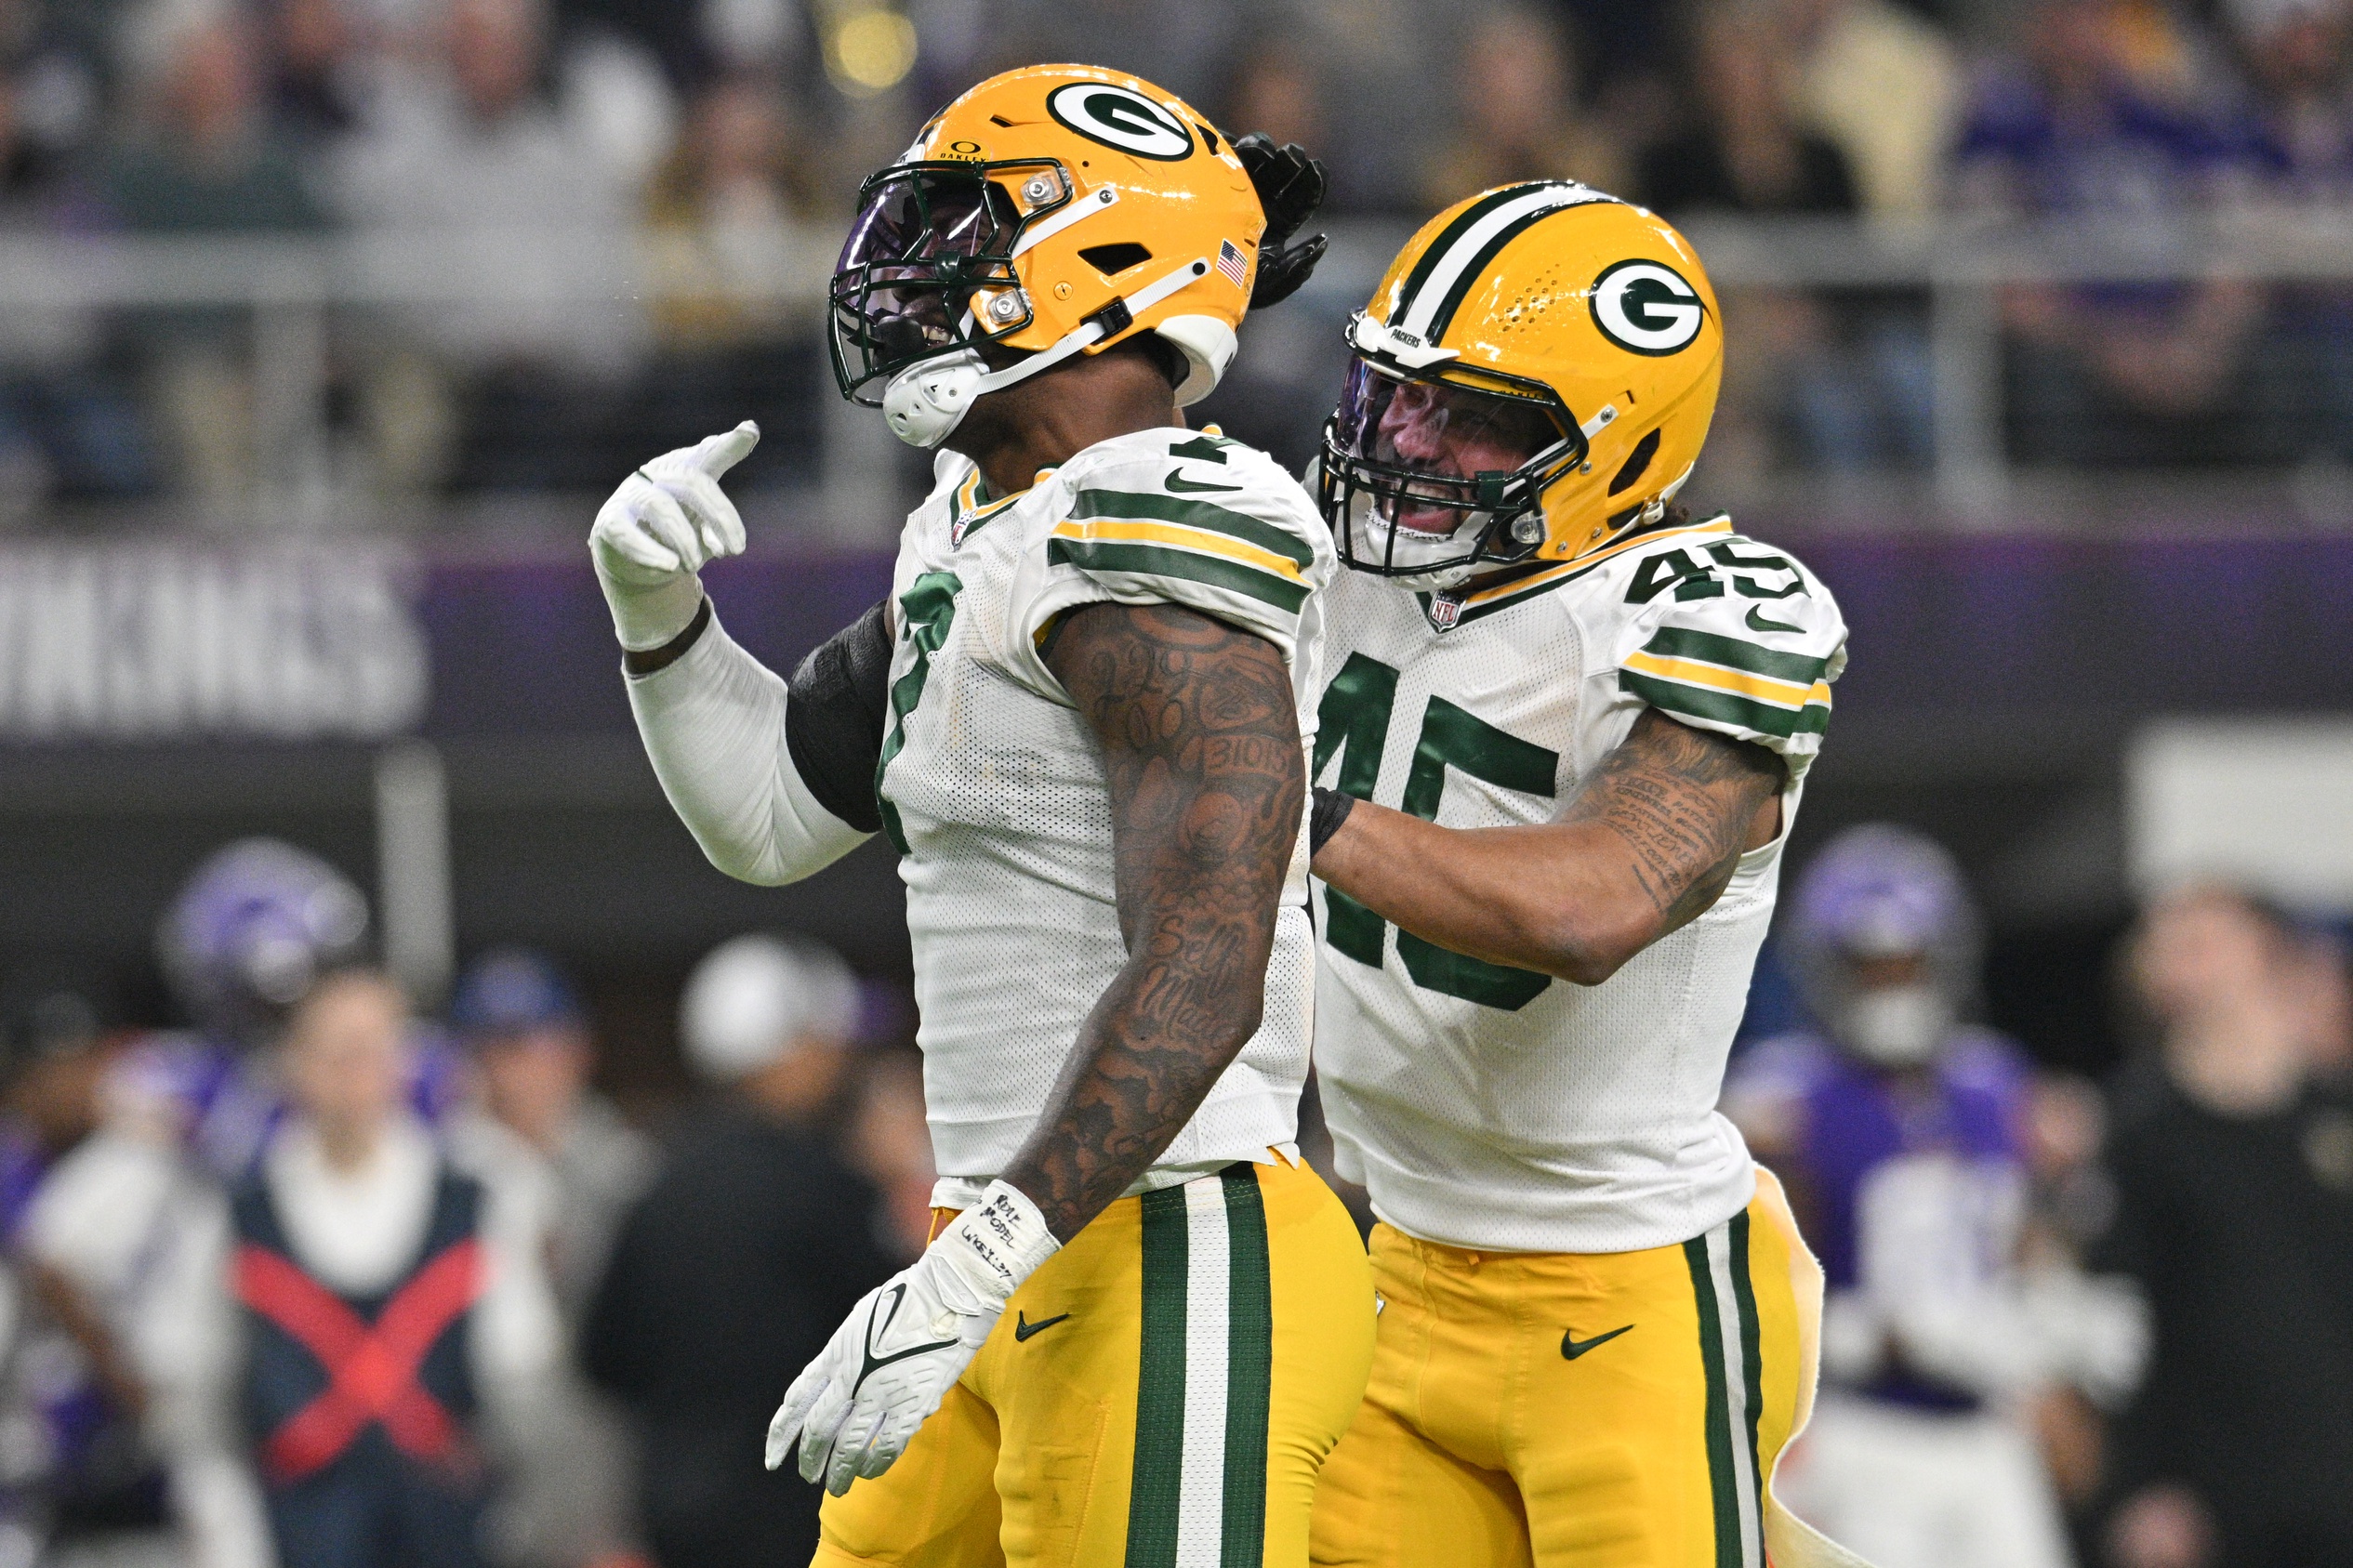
(593, 207)
(317, 1281)
(2067, 1323)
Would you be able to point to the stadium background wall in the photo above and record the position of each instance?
(147, 713)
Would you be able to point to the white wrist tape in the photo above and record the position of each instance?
(996, 1245)
(647, 619)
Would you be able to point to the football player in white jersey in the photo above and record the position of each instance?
(1566, 727)
(1078, 717)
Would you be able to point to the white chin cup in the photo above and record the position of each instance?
(1418, 550)
(1897, 1026)
(926, 401)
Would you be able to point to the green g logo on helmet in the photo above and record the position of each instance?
(1647, 308)
(1122, 118)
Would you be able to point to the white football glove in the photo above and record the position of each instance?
(657, 530)
(856, 1406)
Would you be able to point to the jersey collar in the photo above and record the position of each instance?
(1448, 611)
(969, 505)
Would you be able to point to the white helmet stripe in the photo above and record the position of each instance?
(1447, 276)
(1077, 212)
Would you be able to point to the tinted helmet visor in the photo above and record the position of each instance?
(926, 237)
(1423, 476)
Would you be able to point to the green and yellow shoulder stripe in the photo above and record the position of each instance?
(1141, 533)
(1729, 681)
(1733, 635)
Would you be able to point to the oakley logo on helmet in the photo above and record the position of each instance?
(1646, 308)
(1122, 118)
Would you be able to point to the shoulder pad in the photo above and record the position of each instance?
(1185, 518)
(1729, 635)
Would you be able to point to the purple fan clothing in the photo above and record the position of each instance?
(1852, 1121)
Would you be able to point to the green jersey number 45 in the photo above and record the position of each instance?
(1353, 720)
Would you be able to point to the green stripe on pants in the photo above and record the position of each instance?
(1249, 1366)
(1158, 1484)
(1722, 1485)
(1752, 1348)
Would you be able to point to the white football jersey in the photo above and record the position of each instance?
(995, 794)
(1496, 1109)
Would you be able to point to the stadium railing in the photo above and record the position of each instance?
(1953, 275)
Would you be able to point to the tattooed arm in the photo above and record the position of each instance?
(1200, 743)
(1646, 847)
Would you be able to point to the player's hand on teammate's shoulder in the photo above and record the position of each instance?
(1290, 186)
(656, 532)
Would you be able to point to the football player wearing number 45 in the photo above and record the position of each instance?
(1566, 730)
(1143, 1324)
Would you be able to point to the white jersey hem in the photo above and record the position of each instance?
(963, 1191)
(1540, 1223)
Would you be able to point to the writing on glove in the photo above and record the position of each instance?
(854, 1408)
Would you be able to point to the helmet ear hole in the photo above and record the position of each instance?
(1115, 258)
(1637, 462)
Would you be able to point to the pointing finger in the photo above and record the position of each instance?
(716, 455)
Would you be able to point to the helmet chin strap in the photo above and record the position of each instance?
(925, 403)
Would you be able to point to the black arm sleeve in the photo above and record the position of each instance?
(832, 723)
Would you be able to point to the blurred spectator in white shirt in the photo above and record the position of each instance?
(506, 211)
(528, 1035)
(86, 1471)
(397, 1339)
(529, 1039)
(121, 1386)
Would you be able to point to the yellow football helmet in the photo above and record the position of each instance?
(1056, 209)
(1533, 377)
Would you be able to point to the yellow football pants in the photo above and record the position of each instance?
(1160, 1394)
(1606, 1410)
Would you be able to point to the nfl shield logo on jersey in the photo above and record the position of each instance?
(1445, 611)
